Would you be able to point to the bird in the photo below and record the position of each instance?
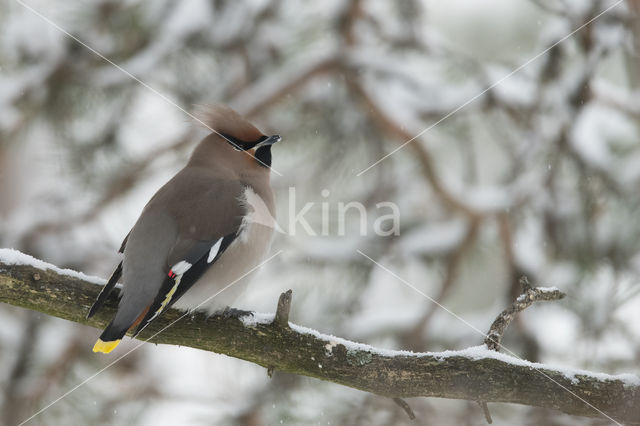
(207, 228)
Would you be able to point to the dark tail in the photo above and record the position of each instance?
(106, 290)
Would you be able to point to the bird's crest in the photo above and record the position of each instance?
(222, 119)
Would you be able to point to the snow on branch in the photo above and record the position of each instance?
(474, 374)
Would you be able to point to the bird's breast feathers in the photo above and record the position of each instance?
(257, 212)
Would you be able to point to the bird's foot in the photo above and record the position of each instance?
(235, 313)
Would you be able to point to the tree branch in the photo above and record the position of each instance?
(474, 374)
(529, 295)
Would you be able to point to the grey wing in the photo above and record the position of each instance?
(185, 274)
(181, 224)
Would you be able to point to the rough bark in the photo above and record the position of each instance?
(277, 346)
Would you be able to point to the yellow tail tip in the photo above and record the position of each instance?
(105, 347)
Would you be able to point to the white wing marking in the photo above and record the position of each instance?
(214, 251)
(178, 269)
(181, 267)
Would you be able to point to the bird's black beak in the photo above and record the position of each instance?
(269, 141)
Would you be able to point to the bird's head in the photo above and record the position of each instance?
(236, 137)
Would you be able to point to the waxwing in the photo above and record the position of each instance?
(204, 230)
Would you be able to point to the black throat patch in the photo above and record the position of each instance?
(263, 156)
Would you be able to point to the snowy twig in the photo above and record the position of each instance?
(499, 326)
(282, 312)
(528, 296)
(281, 318)
(474, 374)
